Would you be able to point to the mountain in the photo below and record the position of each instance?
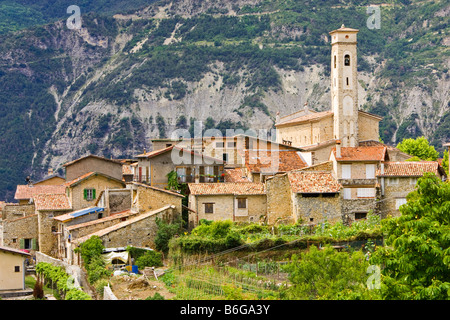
(140, 69)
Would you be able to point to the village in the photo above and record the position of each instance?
(318, 166)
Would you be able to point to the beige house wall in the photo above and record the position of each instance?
(9, 278)
(87, 165)
(279, 200)
(308, 133)
(99, 183)
(54, 181)
(368, 128)
(150, 199)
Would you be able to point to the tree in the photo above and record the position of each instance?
(328, 274)
(445, 161)
(415, 260)
(419, 148)
(172, 180)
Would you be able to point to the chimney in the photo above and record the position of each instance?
(338, 149)
(50, 171)
(277, 119)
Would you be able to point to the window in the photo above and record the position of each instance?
(393, 181)
(53, 229)
(347, 193)
(168, 145)
(370, 171)
(360, 215)
(346, 171)
(399, 202)
(413, 181)
(17, 269)
(242, 203)
(310, 195)
(209, 207)
(347, 80)
(219, 144)
(231, 144)
(27, 243)
(89, 194)
(347, 60)
(335, 62)
(366, 192)
(225, 157)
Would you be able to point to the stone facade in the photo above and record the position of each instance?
(14, 211)
(21, 233)
(279, 200)
(147, 198)
(321, 207)
(98, 182)
(226, 207)
(395, 194)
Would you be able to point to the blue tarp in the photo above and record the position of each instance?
(86, 211)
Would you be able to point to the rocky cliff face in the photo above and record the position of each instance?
(119, 81)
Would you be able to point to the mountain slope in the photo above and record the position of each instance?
(121, 80)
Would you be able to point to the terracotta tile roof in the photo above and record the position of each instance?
(273, 161)
(87, 176)
(235, 175)
(91, 156)
(12, 250)
(48, 202)
(313, 182)
(372, 153)
(306, 118)
(234, 188)
(409, 168)
(155, 153)
(27, 192)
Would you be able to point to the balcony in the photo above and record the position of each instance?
(357, 182)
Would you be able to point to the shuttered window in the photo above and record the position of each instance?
(370, 171)
(346, 171)
(89, 194)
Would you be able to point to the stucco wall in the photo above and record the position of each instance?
(87, 165)
(9, 278)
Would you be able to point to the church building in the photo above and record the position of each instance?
(318, 132)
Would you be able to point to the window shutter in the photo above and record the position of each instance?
(93, 194)
(85, 194)
(34, 244)
(22, 243)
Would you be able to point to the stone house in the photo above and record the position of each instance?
(138, 230)
(24, 193)
(13, 268)
(92, 163)
(84, 191)
(147, 198)
(398, 178)
(355, 168)
(239, 201)
(303, 197)
(21, 233)
(260, 164)
(52, 179)
(153, 167)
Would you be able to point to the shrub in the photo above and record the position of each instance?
(76, 294)
(165, 232)
(149, 259)
(156, 296)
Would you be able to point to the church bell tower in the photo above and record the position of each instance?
(344, 85)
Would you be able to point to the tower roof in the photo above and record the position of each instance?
(344, 29)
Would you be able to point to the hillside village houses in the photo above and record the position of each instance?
(322, 166)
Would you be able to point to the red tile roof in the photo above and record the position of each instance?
(409, 168)
(234, 188)
(313, 182)
(92, 156)
(51, 202)
(24, 192)
(235, 175)
(372, 153)
(273, 161)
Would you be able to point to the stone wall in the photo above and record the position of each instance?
(149, 198)
(279, 200)
(225, 208)
(48, 239)
(14, 211)
(21, 228)
(317, 209)
(368, 127)
(119, 200)
(393, 192)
